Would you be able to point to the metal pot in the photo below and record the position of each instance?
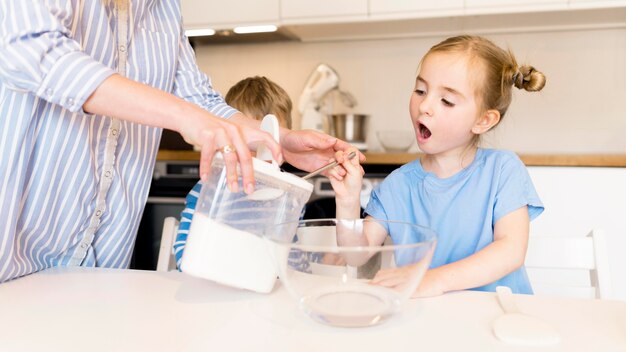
(352, 128)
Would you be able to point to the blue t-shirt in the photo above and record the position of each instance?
(462, 209)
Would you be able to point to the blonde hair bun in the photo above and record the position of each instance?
(529, 79)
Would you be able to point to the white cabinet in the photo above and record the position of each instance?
(228, 14)
(293, 11)
(507, 6)
(415, 8)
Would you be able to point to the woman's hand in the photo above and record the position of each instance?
(214, 134)
(309, 150)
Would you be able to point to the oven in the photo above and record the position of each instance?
(172, 181)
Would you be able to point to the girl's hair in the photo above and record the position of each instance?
(499, 70)
(258, 96)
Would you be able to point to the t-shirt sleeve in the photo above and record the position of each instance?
(515, 190)
(375, 207)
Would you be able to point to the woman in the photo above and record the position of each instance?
(85, 90)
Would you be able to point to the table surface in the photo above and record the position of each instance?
(86, 309)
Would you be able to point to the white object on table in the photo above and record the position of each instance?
(66, 309)
(517, 328)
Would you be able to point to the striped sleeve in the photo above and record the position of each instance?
(185, 222)
(38, 56)
(195, 86)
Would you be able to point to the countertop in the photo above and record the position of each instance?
(601, 160)
(73, 309)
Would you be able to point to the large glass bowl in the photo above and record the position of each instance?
(327, 266)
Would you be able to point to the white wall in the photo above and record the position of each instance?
(579, 110)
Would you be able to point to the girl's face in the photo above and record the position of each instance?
(443, 106)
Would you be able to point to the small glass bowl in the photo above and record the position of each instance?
(396, 141)
(327, 267)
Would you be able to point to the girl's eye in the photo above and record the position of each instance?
(447, 102)
(420, 92)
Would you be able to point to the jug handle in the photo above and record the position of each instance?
(270, 125)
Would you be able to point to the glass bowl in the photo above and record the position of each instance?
(327, 266)
(396, 141)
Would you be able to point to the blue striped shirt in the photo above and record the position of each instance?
(72, 185)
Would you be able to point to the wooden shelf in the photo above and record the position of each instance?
(605, 160)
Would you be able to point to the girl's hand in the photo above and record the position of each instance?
(398, 278)
(346, 179)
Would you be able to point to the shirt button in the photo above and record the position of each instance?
(122, 48)
(98, 212)
(107, 174)
(83, 245)
(49, 92)
(114, 132)
(70, 102)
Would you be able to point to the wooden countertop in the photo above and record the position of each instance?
(606, 160)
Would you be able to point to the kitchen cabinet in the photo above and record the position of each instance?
(414, 8)
(325, 10)
(327, 19)
(228, 14)
(507, 6)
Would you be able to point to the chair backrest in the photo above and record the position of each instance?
(569, 266)
(167, 260)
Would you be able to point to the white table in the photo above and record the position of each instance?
(75, 309)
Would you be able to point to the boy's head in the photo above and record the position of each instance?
(258, 96)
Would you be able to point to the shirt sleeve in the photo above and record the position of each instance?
(195, 86)
(515, 190)
(375, 207)
(37, 54)
(185, 222)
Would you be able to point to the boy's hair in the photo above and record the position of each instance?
(258, 96)
(499, 69)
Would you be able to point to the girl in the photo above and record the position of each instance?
(479, 201)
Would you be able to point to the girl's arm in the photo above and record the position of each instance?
(504, 255)
(347, 187)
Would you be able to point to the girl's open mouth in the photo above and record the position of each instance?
(424, 131)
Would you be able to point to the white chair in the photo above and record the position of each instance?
(167, 260)
(569, 266)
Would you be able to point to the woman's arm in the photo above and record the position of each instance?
(125, 99)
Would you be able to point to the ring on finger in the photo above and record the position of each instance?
(227, 149)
